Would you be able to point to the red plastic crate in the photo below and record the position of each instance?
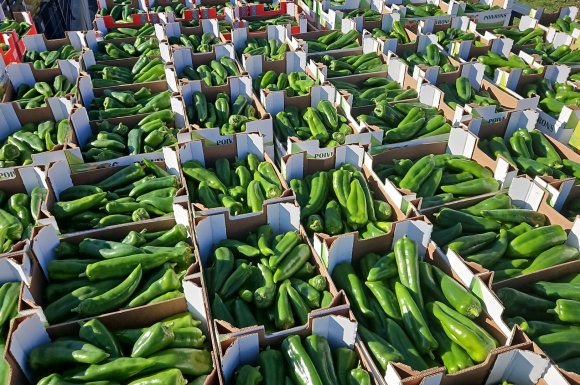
(12, 55)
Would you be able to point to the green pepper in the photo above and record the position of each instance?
(457, 296)
(299, 362)
(560, 346)
(356, 206)
(292, 262)
(535, 241)
(319, 351)
(271, 363)
(95, 332)
(61, 352)
(407, 258)
(347, 279)
(167, 282)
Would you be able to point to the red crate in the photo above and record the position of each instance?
(12, 55)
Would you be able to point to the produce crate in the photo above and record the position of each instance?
(343, 252)
(14, 118)
(39, 43)
(497, 14)
(136, 19)
(505, 129)
(524, 194)
(11, 55)
(389, 24)
(28, 332)
(45, 248)
(562, 196)
(235, 86)
(60, 178)
(445, 12)
(239, 148)
(522, 284)
(299, 166)
(20, 17)
(283, 218)
(25, 74)
(278, 101)
(85, 131)
(173, 31)
(339, 331)
(189, 12)
(461, 143)
(257, 22)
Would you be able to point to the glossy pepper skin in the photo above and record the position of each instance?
(65, 352)
(319, 351)
(356, 206)
(567, 310)
(347, 279)
(155, 338)
(382, 351)
(535, 241)
(95, 332)
(300, 365)
(464, 332)
(462, 300)
(344, 361)
(407, 258)
(271, 363)
(318, 194)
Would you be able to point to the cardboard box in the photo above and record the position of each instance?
(280, 33)
(337, 18)
(240, 147)
(96, 42)
(88, 60)
(282, 217)
(450, 10)
(83, 129)
(60, 178)
(299, 42)
(525, 194)
(432, 96)
(391, 45)
(547, 18)
(235, 86)
(490, 18)
(25, 73)
(460, 143)
(215, 9)
(505, 128)
(552, 274)
(87, 94)
(351, 249)
(276, 101)
(40, 43)
(12, 118)
(28, 332)
(189, 13)
(340, 331)
(299, 165)
(183, 57)
(46, 239)
(467, 51)
(172, 31)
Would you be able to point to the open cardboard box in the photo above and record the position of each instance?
(240, 147)
(339, 330)
(433, 96)
(505, 128)
(29, 332)
(490, 18)
(176, 29)
(25, 73)
(235, 86)
(276, 101)
(83, 129)
(12, 118)
(46, 240)
(561, 193)
(189, 13)
(40, 43)
(450, 10)
(282, 217)
(100, 29)
(183, 57)
(524, 23)
(251, 9)
(351, 249)
(299, 42)
(335, 18)
(299, 165)
(96, 42)
(460, 142)
(23, 180)
(423, 71)
(88, 60)
(87, 94)
(467, 50)
(547, 18)
(552, 274)
(257, 64)
(390, 45)
(321, 70)
(60, 178)
(525, 194)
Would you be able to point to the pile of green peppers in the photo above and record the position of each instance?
(144, 70)
(98, 276)
(267, 280)
(151, 134)
(533, 154)
(294, 83)
(510, 241)
(9, 293)
(33, 138)
(463, 94)
(340, 201)
(36, 95)
(374, 90)
(18, 215)
(122, 32)
(445, 38)
(351, 65)
(241, 186)
(439, 179)
(308, 361)
(261, 24)
(197, 44)
(134, 193)
(229, 115)
(553, 97)
(12, 25)
(117, 103)
(412, 312)
(565, 24)
(431, 57)
(140, 47)
(549, 313)
(493, 61)
(172, 351)
(405, 121)
(214, 74)
(121, 11)
(270, 49)
(177, 7)
(334, 40)
(49, 59)
(322, 123)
